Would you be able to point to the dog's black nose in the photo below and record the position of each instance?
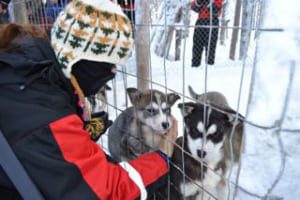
(201, 154)
(165, 125)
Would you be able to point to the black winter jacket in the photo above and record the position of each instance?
(39, 117)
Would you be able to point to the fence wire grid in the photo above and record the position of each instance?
(180, 43)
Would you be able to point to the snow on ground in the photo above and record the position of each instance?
(276, 54)
(261, 160)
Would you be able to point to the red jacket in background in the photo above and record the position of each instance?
(127, 4)
(204, 12)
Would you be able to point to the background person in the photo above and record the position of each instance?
(128, 7)
(4, 17)
(201, 34)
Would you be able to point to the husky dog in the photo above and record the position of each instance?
(207, 144)
(139, 128)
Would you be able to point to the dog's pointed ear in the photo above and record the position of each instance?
(231, 116)
(134, 95)
(193, 94)
(186, 108)
(172, 98)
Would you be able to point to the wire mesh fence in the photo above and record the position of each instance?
(210, 45)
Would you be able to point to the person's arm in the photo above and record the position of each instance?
(196, 5)
(106, 179)
(193, 4)
(217, 6)
(218, 3)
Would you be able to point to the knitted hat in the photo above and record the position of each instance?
(95, 30)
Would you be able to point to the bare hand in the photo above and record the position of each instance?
(168, 141)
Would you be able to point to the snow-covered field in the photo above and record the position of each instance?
(261, 161)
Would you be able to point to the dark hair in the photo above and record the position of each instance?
(11, 31)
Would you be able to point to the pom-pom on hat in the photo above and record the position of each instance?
(95, 30)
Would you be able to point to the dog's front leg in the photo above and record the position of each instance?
(134, 146)
(222, 190)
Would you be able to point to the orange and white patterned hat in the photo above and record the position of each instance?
(95, 30)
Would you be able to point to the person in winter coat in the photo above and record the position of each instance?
(208, 16)
(128, 7)
(4, 17)
(39, 112)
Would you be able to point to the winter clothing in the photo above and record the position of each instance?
(91, 30)
(91, 34)
(92, 75)
(90, 78)
(201, 34)
(128, 7)
(201, 39)
(4, 3)
(204, 8)
(4, 17)
(40, 119)
(103, 117)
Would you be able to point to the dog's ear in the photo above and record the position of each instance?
(134, 95)
(186, 108)
(237, 136)
(172, 98)
(231, 116)
(193, 93)
(107, 87)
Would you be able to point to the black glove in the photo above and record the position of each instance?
(98, 125)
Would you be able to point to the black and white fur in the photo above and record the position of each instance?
(97, 102)
(139, 128)
(206, 142)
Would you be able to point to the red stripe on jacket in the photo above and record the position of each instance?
(107, 180)
(129, 6)
(204, 13)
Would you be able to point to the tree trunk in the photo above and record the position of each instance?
(156, 30)
(162, 48)
(246, 28)
(235, 32)
(186, 20)
(20, 13)
(260, 17)
(224, 23)
(178, 34)
(178, 44)
(142, 44)
(164, 37)
(169, 42)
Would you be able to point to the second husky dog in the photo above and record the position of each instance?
(208, 142)
(139, 128)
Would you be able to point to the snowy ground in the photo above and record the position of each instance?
(262, 159)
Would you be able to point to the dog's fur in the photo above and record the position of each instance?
(139, 128)
(215, 144)
(98, 101)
